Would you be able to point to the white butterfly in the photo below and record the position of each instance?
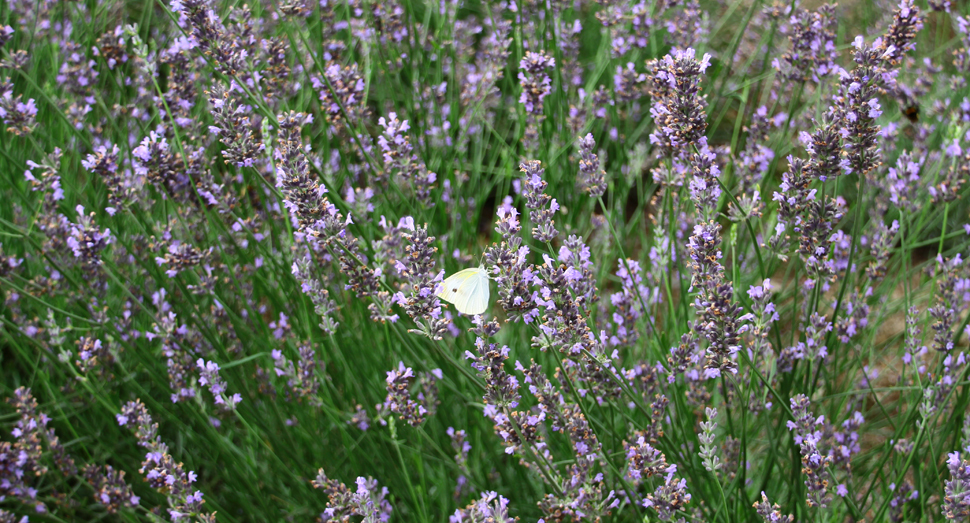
(468, 290)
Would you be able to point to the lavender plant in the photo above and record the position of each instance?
(725, 244)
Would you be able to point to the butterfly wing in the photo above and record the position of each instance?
(476, 300)
(468, 290)
(451, 288)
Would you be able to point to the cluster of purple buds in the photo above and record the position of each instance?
(479, 78)
(705, 189)
(678, 108)
(508, 267)
(93, 356)
(856, 108)
(234, 127)
(501, 390)
(542, 207)
(956, 504)
(396, 147)
(17, 115)
(22, 462)
(87, 241)
(110, 489)
(669, 497)
(948, 186)
(122, 189)
(418, 268)
(209, 377)
(318, 219)
(459, 443)
(808, 437)
(592, 178)
(367, 501)
(629, 303)
(628, 83)
(301, 379)
(719, 317)
(945, 310)
(644, 461)
(812, 348)
(398, 401)
(575, 255)
(489, 508)
(536, 85)
(164, 169)
(312, 287)
(901, 34)
(207, 34)
(161, 471)
(181, 256)
(535, 81)
(341, 89)
(771, 513)
(765, 314)
(812, 54)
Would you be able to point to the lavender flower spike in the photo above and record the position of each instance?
(591, 178)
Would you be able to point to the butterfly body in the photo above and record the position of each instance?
(468, 290)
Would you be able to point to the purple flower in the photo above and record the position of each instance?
(678, 108)
(956, 504)
(209, 377)
(542, 207)
(160, 469)
(591, 177)
(534, 80)
(367, 501)
(812, 54)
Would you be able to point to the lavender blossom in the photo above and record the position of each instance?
(771, 513)
(123, 188)
(110, 489)
(489, 508)
(719, 317)
(678, 107)
(161, 471)
(705, 189)
(459, 443)
(212, 39)
(591, 177)
(94, 357)
(537, 202)
(945, 311)
(301, 378)
(422, 303)
(536, 85)
(812, 54)
(901, 34)
(341, 88)
(644, 461)
(534, 79)
(209, 377)
(397, 149)
(856, 107)
(317, 217)
(807, 436)
(956, 504)
(509, 269)
(399, 382)
(669, 497)
(17, 115)
(234, 127)
(22, 463)
(367, 501)
(87, 240)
